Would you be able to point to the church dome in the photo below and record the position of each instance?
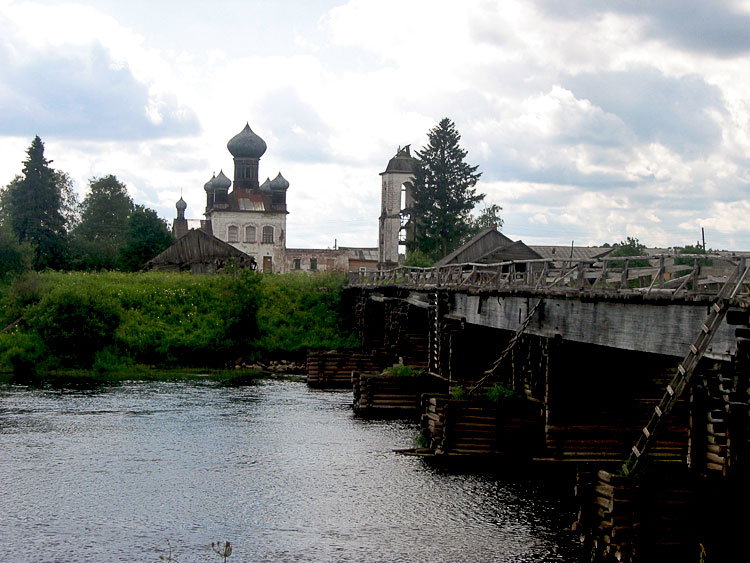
(246, 144)
(266, 186)
(279, 183)
(181, 205)
(221, 182)
(403, 162)
(209, 186)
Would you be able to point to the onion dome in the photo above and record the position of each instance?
(181, 205)
(209, 186)
(221, 182)
(266, 186)
(279, 183)
(246, 144)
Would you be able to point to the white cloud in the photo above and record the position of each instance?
(588, 123)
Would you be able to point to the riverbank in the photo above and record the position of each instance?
(236, 376)
(106, 322)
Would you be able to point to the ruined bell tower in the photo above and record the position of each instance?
(397, 181)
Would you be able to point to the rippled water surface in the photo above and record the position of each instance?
(284, 473)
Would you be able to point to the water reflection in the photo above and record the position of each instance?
(284, 473)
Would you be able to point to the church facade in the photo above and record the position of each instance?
(252, 217)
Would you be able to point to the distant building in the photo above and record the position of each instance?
(251, 217)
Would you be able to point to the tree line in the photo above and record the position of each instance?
(43, 225)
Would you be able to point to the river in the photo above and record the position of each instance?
(283, 472)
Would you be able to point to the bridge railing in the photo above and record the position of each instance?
(671, 273)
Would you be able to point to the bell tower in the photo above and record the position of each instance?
(396, 180)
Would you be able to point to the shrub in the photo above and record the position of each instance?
(500, 393)
(23, 355)
(400, 370)
(298, 312)
(75, 324)
(103, 320)
(691, 261)
(25, 290)
(458, 393)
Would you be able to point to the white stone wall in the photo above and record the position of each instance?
(390, 215)
(222, 220)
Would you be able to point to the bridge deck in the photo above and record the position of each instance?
(656, 308)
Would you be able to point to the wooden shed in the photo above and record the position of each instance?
(514, 251)
(484, 242)
(199, 253)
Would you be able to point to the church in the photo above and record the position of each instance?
(250, 217)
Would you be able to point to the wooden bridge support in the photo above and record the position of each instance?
(334, 369)
(385, 395)
(478, 427)
(589, 403)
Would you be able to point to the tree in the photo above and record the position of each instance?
(33, 208)
(629, 247)
(70, 207)
(147, 236)
(444, 193)
(15, 257)
(100, 236)
(489, 217)
(697, 249)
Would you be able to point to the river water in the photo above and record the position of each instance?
(283, 472)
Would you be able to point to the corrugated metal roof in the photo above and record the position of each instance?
(354, 253)
(570, 252)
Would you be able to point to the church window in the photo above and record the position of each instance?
(268, 234)
(233, 233)
(313, 263)
(249, 233)
(297, 263)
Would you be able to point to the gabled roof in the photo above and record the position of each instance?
(485, 241)
(514, 251)
(196, 247)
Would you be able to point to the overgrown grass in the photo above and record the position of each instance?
(299, 311)
(400, 370)
(109, 323)
(500, 393)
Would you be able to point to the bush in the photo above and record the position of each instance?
(104, 320)
(75, 324)
(500, 393)
(24, 291)
(298, 312)
(400, 370)
(691, 261)
(23, 355)
(458, 393)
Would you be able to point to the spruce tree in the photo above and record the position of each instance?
(443, 193)
(33, 205)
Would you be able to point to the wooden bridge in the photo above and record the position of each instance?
(618, 361)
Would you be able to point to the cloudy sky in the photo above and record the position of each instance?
(590, 121)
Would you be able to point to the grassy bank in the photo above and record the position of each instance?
(78, 378)
(106, 322)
